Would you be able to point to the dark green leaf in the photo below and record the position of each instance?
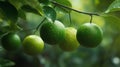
(115, 6)
(45, 2)
(22, 14)
(65, 3)
(50, 13)
(10, 12)
(28, 8)
(35, 4)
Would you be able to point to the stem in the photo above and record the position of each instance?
(73, 9)
(70, 18)
(91, 18)
(40, 24)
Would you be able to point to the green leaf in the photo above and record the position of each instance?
(22, 14)
(115, 6)
(45, 2)
(101, 5)
(17, 3)
(50, 13)
(28, 8)
(10, 12)
(65, 3)
(28, 5)
(36, 5)
(113, 21)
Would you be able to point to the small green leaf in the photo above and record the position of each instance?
(65, 3)
(115, 6)
(113, 21)
(10, 12)
(50, 13)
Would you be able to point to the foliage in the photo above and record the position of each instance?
(25, 17)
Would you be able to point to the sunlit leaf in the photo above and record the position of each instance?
(113, 21)
(115, 6)
(49, 13)
(102, 5)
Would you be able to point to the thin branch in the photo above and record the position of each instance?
(70, 19)
(73, 9)
(40, 24)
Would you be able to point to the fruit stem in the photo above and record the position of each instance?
(91, 18)
(58, 4)
(70, 18)
(40, 24)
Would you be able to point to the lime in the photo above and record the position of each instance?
(89, 35)
(11, 42)
(70, 42)
(52, 33)
(33, 45)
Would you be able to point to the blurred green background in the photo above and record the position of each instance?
(107, 54)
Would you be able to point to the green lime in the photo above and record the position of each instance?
(70, 42)
(33, 45)
(11, 42)
(52, 33)
(89, 35)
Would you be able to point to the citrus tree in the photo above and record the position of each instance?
(59, 33)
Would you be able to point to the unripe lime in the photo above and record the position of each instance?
(70, 42)
(33, 45)
(11, 42)
(89, 35)
(52, 33)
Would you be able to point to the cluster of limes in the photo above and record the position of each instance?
(68, 38)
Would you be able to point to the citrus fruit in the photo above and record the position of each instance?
(33, 45)
(70, 42)
(11, 42)
(52, 33)
(89, 35)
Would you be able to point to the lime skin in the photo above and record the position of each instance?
(52, 33)
(70, 42)
(89, 35)
(11, 42)
(33, 45)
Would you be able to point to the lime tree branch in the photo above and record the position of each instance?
(58, 4)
